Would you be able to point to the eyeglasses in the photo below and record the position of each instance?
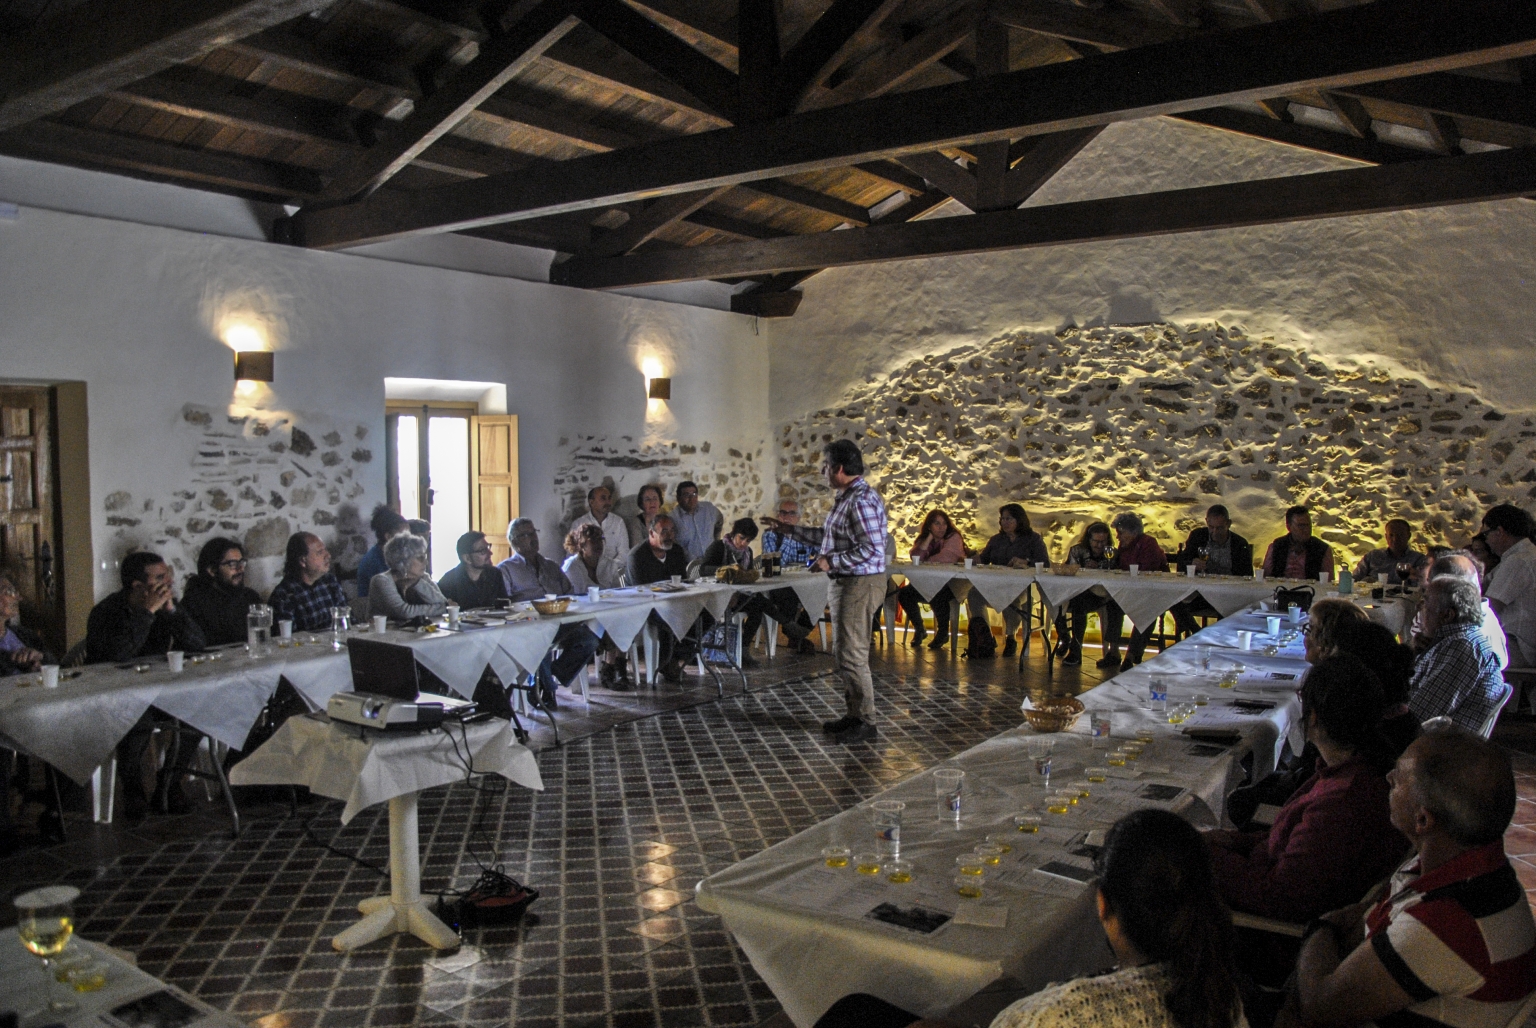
(481, 549)
(788, 514)
(233, 565)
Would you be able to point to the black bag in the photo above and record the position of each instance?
(1302, 596)
(980, 641)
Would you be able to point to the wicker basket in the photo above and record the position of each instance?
(555, 606)
(730, 574)
(1065, 569)
(1053, 713)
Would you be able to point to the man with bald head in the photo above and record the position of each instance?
(600, 513)
(1398, 535)
(1451, 940)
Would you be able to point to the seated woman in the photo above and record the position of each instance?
(1016, 545)
(1171, 935)
(1092, 552)
(938, 542)
(21, 649)
(1334, 838)
(404, 592)
(589, 563)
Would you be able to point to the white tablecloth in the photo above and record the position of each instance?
(362, 769)
(801, 924)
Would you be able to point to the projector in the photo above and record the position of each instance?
(389, 714)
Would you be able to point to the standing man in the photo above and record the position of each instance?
(217, 597)
(853, 554)
(308, 590)
(698, 523)
(1512, 587)
(1297, 554)
(1398, 534)
(600, 513)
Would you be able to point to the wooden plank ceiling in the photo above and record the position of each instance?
(663, 140)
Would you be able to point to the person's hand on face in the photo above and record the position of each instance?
(154, 592)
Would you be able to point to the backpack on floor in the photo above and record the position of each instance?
(980, 641)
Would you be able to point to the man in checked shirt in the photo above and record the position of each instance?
(853, 553)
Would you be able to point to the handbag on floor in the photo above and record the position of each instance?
(1302, 596)
(980, 642)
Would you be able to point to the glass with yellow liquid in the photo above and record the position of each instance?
(1001, 841)
(45, 919)
(898, 872)
(1058, 802)
(970, 864)
(866, 864)
(968, 886)
(1116, 758)
(1082, 788)
(1097, 774)
(835, 856)
(1029, 824)
(990, 855)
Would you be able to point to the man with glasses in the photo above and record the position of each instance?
(473, 584)
(698, 522)
(217, 597)
(529, 575)
(792, 552)
(308, 590)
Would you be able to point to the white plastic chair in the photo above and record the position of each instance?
(1498, 708)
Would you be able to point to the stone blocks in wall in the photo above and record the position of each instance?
(1165, 421)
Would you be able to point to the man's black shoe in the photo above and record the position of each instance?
(842, 724)
(1110, 659)
(861, 732)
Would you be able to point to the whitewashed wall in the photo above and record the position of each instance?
(135, 310)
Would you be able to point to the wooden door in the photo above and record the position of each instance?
(29, 541)
(493, 501)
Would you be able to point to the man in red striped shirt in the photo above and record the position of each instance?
(1452, 942)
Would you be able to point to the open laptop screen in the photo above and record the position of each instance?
(384, 669)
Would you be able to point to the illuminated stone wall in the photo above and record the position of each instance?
(1166, 420)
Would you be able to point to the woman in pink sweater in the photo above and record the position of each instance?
(1334, 838)
(938, 542)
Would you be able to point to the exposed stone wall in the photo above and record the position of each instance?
(1165, 421)
(257, 476)
(730, 478)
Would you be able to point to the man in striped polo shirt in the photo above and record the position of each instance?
(1452, 942)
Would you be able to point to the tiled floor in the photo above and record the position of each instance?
(662, 791)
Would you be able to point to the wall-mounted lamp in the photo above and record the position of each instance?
(253, 366)
(661, 389)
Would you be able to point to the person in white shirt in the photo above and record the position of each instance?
(1462, 564)
(1512, 589)
(590, 563)
(699, 522)
(600, 513)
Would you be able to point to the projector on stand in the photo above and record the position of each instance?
(386, 713)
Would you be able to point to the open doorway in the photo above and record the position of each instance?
(455, 468)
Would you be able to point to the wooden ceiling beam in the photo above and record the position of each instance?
(160, 162)
(943, 173)
(1435, 182)
(1443, 132)
(102, 45)
(641, 83)
(576, 132)
(1308, 137)
(654, 217)
(826, 46)
(499, 60)
(1351, 114)
(1377, 41)
(720, 33)
(1455, 95)
(890, 70)
(893, 174)
(664, 53)
(758, 57)
(732, 226)
(281, 47)
(810, 199)
(296, 118)
(1041, 162)
(1104, 29)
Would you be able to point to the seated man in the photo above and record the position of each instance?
(21, 650)
(1452, 940)
(1391, 560)
(1458, 676)
(1212, 550)
(473, 584)
(1512, 588)
(792, 552)
(1333, 838)
(1463, 564)
(698, 522)
(217, 597)
(600, 513)
(142, 620)
(308, 589)
(735, 548)
(386, 524)
(1133, 546)
(656, 560)
(1297, 554)
(528, 575)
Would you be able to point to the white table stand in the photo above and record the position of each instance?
(403, 910)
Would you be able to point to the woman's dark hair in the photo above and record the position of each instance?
(1512, 519)
(929, 520)
(1155, 877)
(293, 559)
(1094, 529)
(745, 527)
(1346, 697)
(1377, 648)
(212, 553)
(385, 522)
(574, 537)
(844, 454)
(1016, 512)
(661, 497)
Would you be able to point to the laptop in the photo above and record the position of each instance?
(391, 671)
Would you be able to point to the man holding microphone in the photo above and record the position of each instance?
(853, 554)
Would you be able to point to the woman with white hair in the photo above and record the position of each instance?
(404, 591)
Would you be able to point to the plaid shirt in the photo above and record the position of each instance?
(1458, 677)
(854, 536)
(307, 606)
(792, 552)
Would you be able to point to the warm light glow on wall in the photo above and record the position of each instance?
(241, 336)
(653, 369)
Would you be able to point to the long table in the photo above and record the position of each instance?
(808, 929)
(76, 726)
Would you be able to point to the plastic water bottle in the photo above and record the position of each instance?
(258, 630)
(1346, 583)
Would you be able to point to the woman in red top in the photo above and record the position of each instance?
(938, 542)
(1334, 838)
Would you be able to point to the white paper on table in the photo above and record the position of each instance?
(981, 913)
(1270, 679)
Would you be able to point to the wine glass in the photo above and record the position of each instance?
(45, 919)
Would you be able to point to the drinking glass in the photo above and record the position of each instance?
(948, 786)
(1026, 823)
(258, 630)
(1157, 691)
(990, 854)
(866, 864)
(45, 919)
(968, 886)
(1039, 748)
(835, 856)
(898, 872)
(887, 817)
(341, 622)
